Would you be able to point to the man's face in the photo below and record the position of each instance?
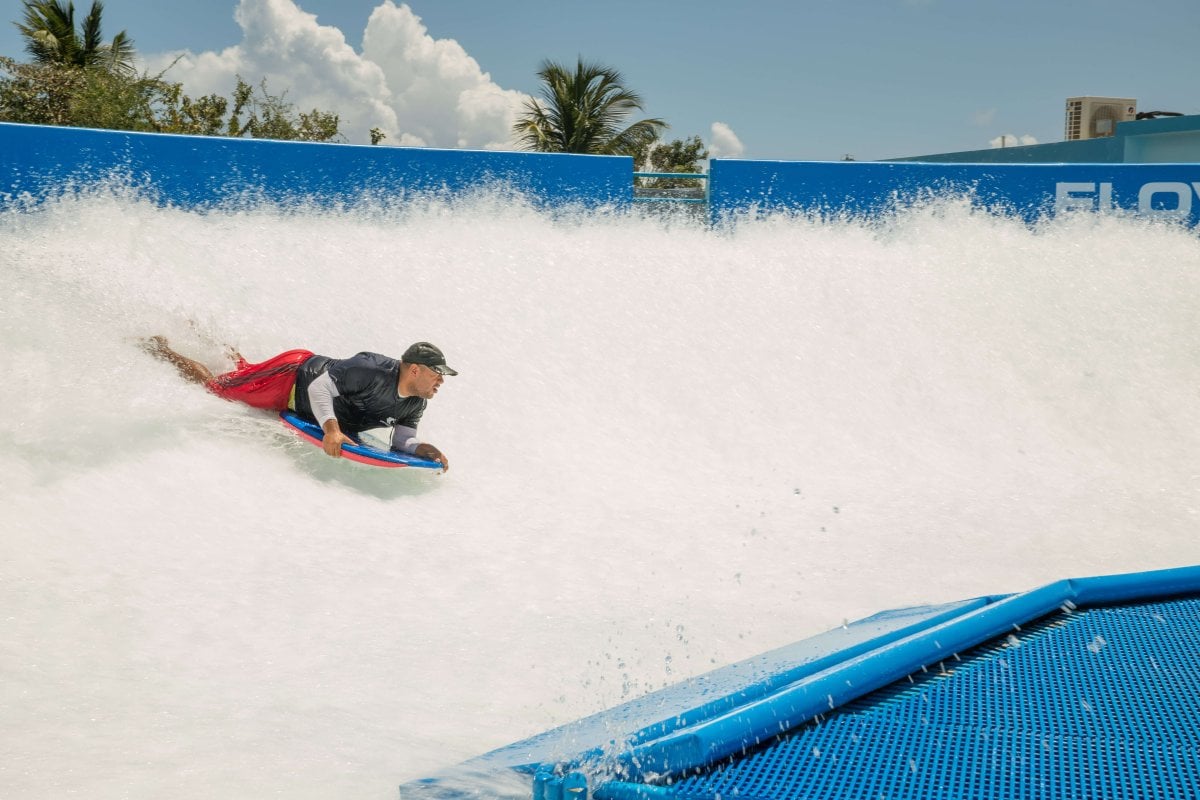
(425, 380)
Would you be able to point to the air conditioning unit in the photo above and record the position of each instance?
(1096, 117)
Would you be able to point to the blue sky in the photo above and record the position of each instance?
(783, 80)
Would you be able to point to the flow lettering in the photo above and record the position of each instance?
(1160, 198)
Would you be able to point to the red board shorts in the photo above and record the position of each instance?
(266, 385)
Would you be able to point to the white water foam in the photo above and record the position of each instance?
(672, 448)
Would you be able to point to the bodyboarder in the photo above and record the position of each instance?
(343, 396)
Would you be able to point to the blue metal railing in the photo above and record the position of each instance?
(668, 198)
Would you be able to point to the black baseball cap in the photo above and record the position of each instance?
(426, 354)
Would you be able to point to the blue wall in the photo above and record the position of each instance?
(1167, 191)
(200, 171)
(196, 171)
(1157, 140)
(1107, 150)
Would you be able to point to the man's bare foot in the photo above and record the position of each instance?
(233, 355)
(191, 370)
(154, 345)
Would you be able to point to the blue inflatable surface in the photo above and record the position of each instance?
(1081, 688)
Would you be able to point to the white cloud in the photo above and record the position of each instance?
(1012, 140)
(419, 90)
(723, 142)
(441, 96)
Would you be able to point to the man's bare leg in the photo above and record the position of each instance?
(191, 370)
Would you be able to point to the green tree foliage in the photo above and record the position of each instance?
(52, 38)
(202, 117)
(76, 79)
(114, 101)
(98, 98)
(38, 95)
(270, 116)
(679, 155)
(584, 111)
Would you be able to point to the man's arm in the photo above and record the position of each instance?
(320, 398)
(404, 440)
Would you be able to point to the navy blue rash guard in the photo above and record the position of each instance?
(366, 392)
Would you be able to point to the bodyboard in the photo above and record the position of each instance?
(365, 450)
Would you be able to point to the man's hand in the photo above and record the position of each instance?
(428, 451)
(333, 439)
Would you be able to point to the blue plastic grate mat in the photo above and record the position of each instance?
(1101, 704)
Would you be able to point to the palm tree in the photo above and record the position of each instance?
(51, 38)
(583, 112)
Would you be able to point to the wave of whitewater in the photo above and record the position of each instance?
(673, 448)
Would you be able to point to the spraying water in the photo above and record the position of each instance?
(673, 448)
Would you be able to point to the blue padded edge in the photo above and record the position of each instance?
(712, 694)
(755, 722)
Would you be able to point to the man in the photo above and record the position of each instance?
(343, 396)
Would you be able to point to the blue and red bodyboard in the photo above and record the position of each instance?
(365, 450)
